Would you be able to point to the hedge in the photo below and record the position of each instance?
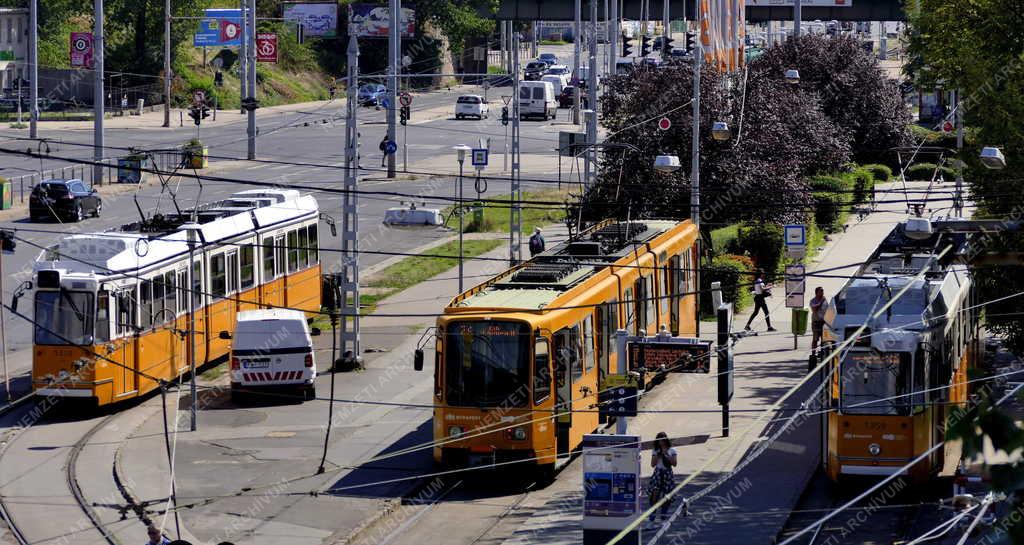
(735, 274)
(924, 171)
(763, 242)
(832, 198)
(863, 182)
(882, 173)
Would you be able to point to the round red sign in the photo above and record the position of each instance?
(664, 123)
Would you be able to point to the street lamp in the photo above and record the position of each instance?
(460, 150)
(666, 163)
(792, 76)
(992, 157)
(720, 131)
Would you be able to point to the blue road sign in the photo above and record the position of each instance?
(480, 157)
(390, 148)
(795, 235)
(219, 28)
(385, 103)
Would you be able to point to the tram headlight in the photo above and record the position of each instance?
(455, 431)
(874, 449)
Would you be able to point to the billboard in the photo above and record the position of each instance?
(219, 28)
(266, 47)
(320, 20)
(803, 3)
(81, 49)
(373, 21)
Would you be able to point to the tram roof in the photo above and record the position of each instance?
(538, 282)
(141, 244)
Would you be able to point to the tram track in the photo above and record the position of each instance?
(25, 526)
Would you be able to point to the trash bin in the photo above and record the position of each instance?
(7, 199)
(478, 215)
(800, 321)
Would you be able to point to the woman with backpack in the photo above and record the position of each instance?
(761, 292)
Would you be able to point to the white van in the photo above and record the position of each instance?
(272, 349)
(557, 81)
(537, 99)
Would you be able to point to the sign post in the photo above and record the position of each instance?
(795, 237)
(725, 363)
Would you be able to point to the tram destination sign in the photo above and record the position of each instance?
(688, 356)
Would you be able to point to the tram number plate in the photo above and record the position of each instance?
(679, 357)
(256, 364)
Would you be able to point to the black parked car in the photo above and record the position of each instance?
(63, 199)
(534, 70)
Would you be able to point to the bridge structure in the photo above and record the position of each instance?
(562, 10)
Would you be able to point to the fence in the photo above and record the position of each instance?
(163, 160)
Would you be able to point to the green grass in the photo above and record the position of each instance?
(496, 214)
(214, 373)
(552, 42)
(723, 236)
(415, 269)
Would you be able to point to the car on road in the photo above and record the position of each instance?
(583, 77)
(537, 99)
(678, 53)
(63, 200)
(567, 96)
(557, 70)
(471, 106)
(372, 94)
(549, 58)
(534, 70)
(272, 349)
(556, 81)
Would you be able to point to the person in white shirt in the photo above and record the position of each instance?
(761, 293)
(818, 307)
(663, 459)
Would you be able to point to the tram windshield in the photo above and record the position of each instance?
(487, 364)
(64, 317)
(876, 383)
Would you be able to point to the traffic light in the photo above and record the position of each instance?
(504, 115)
(195, 113)
(691, 41)
(645, 46)
(403, 114)
(204, 111)
(627, 46)
(666, 47)
(7, 243)
(250, 104)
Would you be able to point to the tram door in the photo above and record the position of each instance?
(125, 328)
(567, 359)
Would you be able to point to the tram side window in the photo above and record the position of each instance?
(684, 276)
(664, 281)
(146, 303)
(125, 311)
(612, 324)
(630, 309)
(158, 300)
(314, 248)
(268, 259)
(103, 317)
(197, 283)
(293, 251)
(650, 303)
(279, 250)
(247, 257)
(600, 334)
(303, 247)
(182, 291)
(218, 276)
(588, 343)
(232, 272)
(541, 371)
(170, 296)
(640, 288)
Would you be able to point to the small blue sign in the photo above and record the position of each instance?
(795, 235)
(390, 148)
(480, 157)
(385, 103)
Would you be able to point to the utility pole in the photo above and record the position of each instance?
(797, 17)
(613, 30)
(591, 161)
(394, 52)
(33, 69)
(350, 212)
(98, 95)
(504, 45)
(250, 39)
(577, 43)
(958, 198)
(243, 57)
(192, 230)
(515, 225)
(167, 63)
(666, 32)
(698, 61)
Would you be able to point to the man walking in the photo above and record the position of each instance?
(818, 307)
(536, 242)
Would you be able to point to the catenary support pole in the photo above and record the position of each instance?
(515, 227)
(98, 95)
(797, 18)
(167, 63)
(698, 62)
(192, 230)
(614, 28)
(349, 300)
(592, 105)
(666, 31)
(251, 54)
(33, 68)
(576, 50)
(3, 336)
(394, 62)
(243, 57)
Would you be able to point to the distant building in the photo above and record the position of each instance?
(13, 46)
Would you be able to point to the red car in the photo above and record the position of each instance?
(568, 95)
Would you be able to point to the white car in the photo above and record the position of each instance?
(557, 70)
(471, 106)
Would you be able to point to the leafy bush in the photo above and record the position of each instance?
(832, 195)
(763, 243)
(724, 238)
(735, 274)
(863, 182)
(925, 171)
(882, 173)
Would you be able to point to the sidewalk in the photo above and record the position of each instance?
(752, 505)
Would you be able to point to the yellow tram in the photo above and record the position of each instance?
(515, 351)
(112, 309)
(893, 390)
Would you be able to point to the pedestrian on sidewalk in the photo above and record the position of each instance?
(536, 242)
(818, 307)
(156, 537)
(663, 459)
(761, 292)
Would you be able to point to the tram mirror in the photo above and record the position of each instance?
(224, 335)
(314, 331)
(417, 359)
